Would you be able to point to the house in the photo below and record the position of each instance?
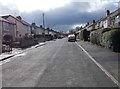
(47, 31)
(110, 20)
(7, 31)
(51, 32)
(22, 27)
(115, 18)
(37, 30)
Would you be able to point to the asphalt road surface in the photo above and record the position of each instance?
(57, 64)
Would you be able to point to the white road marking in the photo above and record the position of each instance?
(100, 66)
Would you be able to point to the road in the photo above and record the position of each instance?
(57, 64)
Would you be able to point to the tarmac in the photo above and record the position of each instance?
(105, 57)
(108, 59)
(16, 51)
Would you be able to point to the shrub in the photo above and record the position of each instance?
(111, 39)
(105, 30)
(95, 37)
(106, 39)
(93, 29)
(116, 40)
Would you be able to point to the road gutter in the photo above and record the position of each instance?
(100, 66)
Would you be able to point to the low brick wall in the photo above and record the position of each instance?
(24, 43)
(28, 43)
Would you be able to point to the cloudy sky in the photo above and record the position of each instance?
(59, 14)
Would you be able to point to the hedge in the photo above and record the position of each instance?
(95, 37)
(105, 30)
(116, 40)
(108, 38)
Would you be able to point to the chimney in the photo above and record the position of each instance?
(87, 23)
(40, 26)
(33, 24)
(19, 17)
(107, 12)
(93, 21)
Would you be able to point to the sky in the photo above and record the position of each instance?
(60, 15)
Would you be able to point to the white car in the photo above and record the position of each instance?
(71, 37)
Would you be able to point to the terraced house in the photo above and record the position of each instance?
(111, 20)
(104, 32)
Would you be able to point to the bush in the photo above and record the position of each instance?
(106, 40)
(105, 30)
(116, 40)
(95, 37)
(111, 39)
(93, 29)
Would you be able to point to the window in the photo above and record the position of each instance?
(117, 19)
(5, 26)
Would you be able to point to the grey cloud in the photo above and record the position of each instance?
(65, 17)
(9, 9)
(62, 18)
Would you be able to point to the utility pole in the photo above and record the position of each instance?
(43, 25)
(0, 36)
(43, 21)
(118, 4)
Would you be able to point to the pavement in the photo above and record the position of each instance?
(57, 64)
(16, 51)
(105, 57)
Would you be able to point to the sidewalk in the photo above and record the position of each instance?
(17, 51)
(108, 59)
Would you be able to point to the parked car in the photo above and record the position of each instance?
(72, 38)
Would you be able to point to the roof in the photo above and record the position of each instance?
(112, 13)
(22, 21)
(4, 20)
